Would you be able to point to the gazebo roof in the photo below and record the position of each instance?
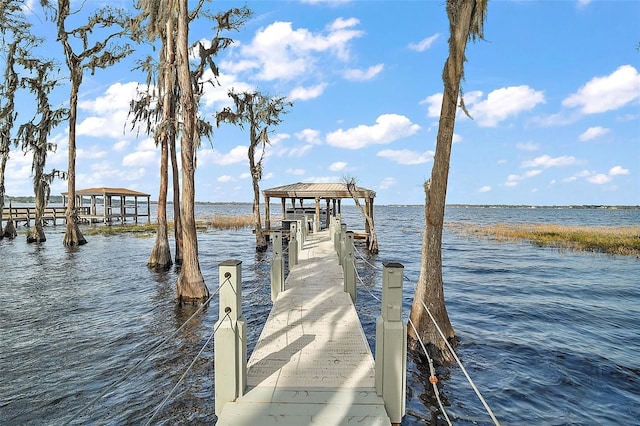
(316, 190)
(104, 191)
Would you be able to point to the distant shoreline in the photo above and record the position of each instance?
(58, 200)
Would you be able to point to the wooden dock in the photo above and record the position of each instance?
(312, 363)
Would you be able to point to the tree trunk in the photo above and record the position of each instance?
(430, 290)
(161, 254)
(73, 236)
(10, 229)
(190, 287)
(36, 235)
(177, 221)
(3, 166)
(261, 241)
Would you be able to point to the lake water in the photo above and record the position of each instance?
(549, 337)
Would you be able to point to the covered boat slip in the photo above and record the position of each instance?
(110, 204)
(327, 201)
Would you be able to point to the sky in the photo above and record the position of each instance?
(553, 92)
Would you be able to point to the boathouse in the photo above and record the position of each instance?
(326, 201)
(110, 204)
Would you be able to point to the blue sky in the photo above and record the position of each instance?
(554, 92)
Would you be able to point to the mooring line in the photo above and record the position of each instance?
(153, 351)
(164, 401)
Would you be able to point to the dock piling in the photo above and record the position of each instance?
(277, 266)
(391, 344)
(230, 343)
(293, 244)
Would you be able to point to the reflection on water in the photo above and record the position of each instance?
(548, 337)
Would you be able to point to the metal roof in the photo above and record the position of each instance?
(316, 190)
(104, 191)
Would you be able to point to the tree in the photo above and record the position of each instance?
(350, 183)
(157, 108)
(466, 20)
(16, 41)
(33, 135)
(89, 56)
(260, 112)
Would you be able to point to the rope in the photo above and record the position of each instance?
(433, 379)
(475, 389)
(164, 401)
(153, 351)
(364, 285)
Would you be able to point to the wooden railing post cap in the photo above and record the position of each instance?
(230, 262)
(393, 265)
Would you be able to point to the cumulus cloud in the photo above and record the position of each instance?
(236, 155)
(527, 146)
(225, 179)
(388, 128)
(514, 179)
(424, 44)
(140, 158)
(306, 93)
(406, 156)
(599, 179)
(618, 170)
(485, 188)
(363, 75)
(593, 133)
(504, 103)
(607, 93)
(387, 183)
(107, 114)
(279, 51)
(310, 136)
(338, 166)
(546, 161)
(296, 172)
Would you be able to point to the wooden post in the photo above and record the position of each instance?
(283, 201)
(318, 218)
(267, 214)
(230, 343)
(299, 238)
(293, 245)
(391, 344)
(277, 267)
(349, 267)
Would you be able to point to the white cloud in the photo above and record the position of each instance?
(306, 93)
(546, 161)
(387, 183)
(434, 104)
(310, 136)
(363, 75)
(527, 146)
(338, 166)
(592, 133)
(109, 111)
(388, 128)
(504, 103)
(618, 170)
(608, 93)
(120, 145)
(424, 44)
(237, 154)
(296, 172)
(281, 52)
(300, 150)
(139, 158)
(485, 188)
(90, 154)
(406, 156)
(225, 179)
(513, 179)
(599, 179)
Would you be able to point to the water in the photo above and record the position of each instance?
(548, 337)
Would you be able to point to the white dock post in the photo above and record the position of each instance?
(293, 245)
(391, 344)
(230, 342)
(277, 266)
(342, 245)
(299, 238)
(349, 267)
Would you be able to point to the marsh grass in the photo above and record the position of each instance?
(623, 240)
(203, 224)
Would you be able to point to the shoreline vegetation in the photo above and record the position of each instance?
(203, 223)
(621, 240)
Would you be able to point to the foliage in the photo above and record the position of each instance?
(603, 239)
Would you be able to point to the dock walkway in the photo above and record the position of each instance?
(312, 363)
